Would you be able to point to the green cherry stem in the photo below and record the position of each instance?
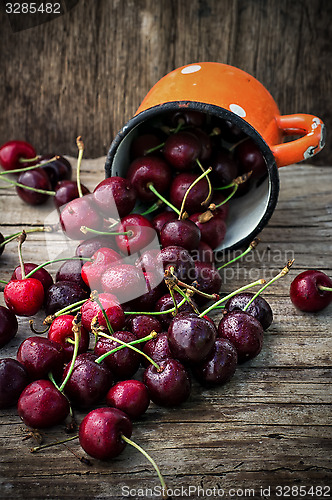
(77, 337)
(101, 358)
(204, 174)
(56, 260)
(208, 181)
(224, 299)
(28, 160)
(252, 245)
(324, 288)
(36, 190)
(282, 273)
(43, 446)
(21, 240)
(49, 319)
(155, 313)
(95, 297)
(80, 146)
(153, 189)
(26, 169)
(4, 282)
(236, 182)
(42, 229)
(153, 208)
(235, 188)
(86, 230)
(150, 459)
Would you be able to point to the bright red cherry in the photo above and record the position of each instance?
(77, 213)
(115, 197)
(93, 271)
(11, 152)
(42, 275)
(24, 297)
(112, 308)
(311, 291)
(61, 331)
(129, 396)
(141, 234)
(124, 281)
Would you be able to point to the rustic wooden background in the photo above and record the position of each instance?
(85, 73)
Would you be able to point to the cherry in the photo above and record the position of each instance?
(159, 220)
(57, 170)
(198, 196)
(41, 275)
(24, 297)
(124, 363)
(165, 303)
(40, 356)
(129, 396)
(62, 294)
(158, 349)
(311, 291)
(224, 168)
(113, 310)
(66, 191)
(179, 258)
(244, 331)
(191, 338)
(212, 227)
(142, 325)
(205, 142)
(168, 386)
(147, 262)
(101, 432)
(71, 270)
(124, 281)
(259, 308)
(220, 366)
(77, 213)
(249, 158)
(142, 144)
(8, 326)
(204, 253)
(13, 379)
(189, 117)
(88, 247)
(36, 179)
(93, 271)
(2, 240)
(89, 381)
(156, 288)
(140, 233)
(13, 151)
(208, 281)
(183, 233)
(231, 132)
(181, 150)
(61, 330)
(149, 170)
(42, 405)
(115, 197)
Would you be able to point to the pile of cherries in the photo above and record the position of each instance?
(127, 320)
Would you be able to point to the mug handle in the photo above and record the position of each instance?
(310, 127)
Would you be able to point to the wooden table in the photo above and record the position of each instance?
(268, 427)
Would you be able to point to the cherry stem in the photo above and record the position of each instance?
(42, 446)
(41, 266)
(282, 273)
(26, 169)
(224, 299)
(77, 336)
(86, 230)
(21, 240)
(237, 144)
(152, 335)
(50, 376)
(252, 245)
(204, 174)
(46, 229)
(208, 181)
(80, 146)
(174, 282)
(155, 148)
(153, 208)
(235, 188)
(135, 445)
(95, 297)
(236, 182)
(49, 319)
(32, 328)
(188, 299)
(153, 189)
(324, 288)
(28, 160)
(4, 282)
(156, 313)
(36, 190)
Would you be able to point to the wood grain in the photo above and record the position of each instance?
(86, 73)
(269, 426)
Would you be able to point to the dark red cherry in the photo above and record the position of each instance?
(115, 197)
(169, 386)
(89, 381)
(196, 196)
(205, 142)
(42, 405)
(70, 270)
(259, 308)
(141, 234)
(165, 303)
(305, 292)
(212, 228)
(179, 258)
(159, 220)
(58, 170)
(142, 144)
(124, 281)
(88, 247)
(13, 379)
(12, 151)
(40, 356)
(189, 117)
(41, 275)
(8, 325)
(220, 366)
(149, 170)
(61, 331)
(92, 271)
(204, 253)
(24, 297)
(124, 363)
(224, 168)
(183, 233)
(129, 396)
(77, 213)
(101, 430)
(208, 281)
(244, 331)
(191, 338)
(66, 191)
(181, 150)
(156, 288)
(36, 179)
(231, 132)
(158, 349)
(142, 325)
(62, 294)
(147, 262)
(250, 158)
(112, 308)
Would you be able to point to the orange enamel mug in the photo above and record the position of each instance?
(231, 94)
